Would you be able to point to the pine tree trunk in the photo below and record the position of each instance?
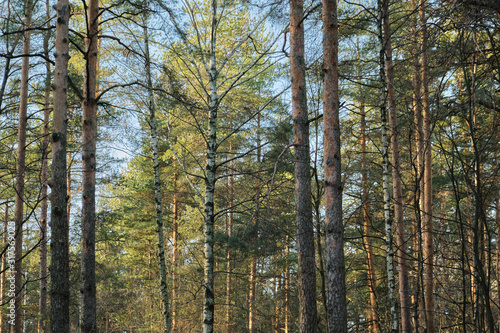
(374, 326)
(419, 184)
(404, 292)
(253, 263)
(229, 268)
(59, 249)
(303, 208)
(156, 166)
(88, 289)
(175, 256)
(334, 228)
(497, 220)
(44, 206)
(20, 168)
(228, 254)
(394, 323)
(427, 232)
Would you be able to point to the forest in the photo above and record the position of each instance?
(250, 166)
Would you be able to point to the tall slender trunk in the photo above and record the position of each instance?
(44, 206)
(334, 228)
(303, 208)
(88, 290)
(253, 263)
(374, 326)
(175, 256)
(404, 291)
(287, 288)
(59, 249)
(427, 232)
(419, 184)
(156, 166)
(20, 167)
(497, 220)
(229, 268)
(4, 267)
(210, 180)
(394, 324)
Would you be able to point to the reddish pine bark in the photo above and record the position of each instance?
(427, 232)
(20, 168)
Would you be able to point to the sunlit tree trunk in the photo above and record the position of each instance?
(404, 291)
(418, 169)
(59, 249)
(334, 228)
(253, 263)
(175, 256)
(20, 167)
(229, 268)
(394, 323)
(157, 183)
(303, 208)
(88, 289)
(374, 326)
(44, 206)
(210, 180)
(427, 232)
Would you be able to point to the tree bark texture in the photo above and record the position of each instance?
(157, 182)
(334, 228)
(427, 229)
(303, 206)
(175, 256)
(394, 322)
(404, 290)
(229, 268)
(20, 167)
(374, 326)
(42, 302)
(59, 249)
(210, 180)
(88, 288)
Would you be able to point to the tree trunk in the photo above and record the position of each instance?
(374, 326)
(394, 325)
(159, 209)
(44, 206)
(175, 256)
(59, 249)
(229, 231)
(404, 291)
(210, 180)
(253, 264)
(497, 220)
(88, 289)
(303, 208)
(334, 228)
(427, 233)
(20, 166)
(287, 287)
